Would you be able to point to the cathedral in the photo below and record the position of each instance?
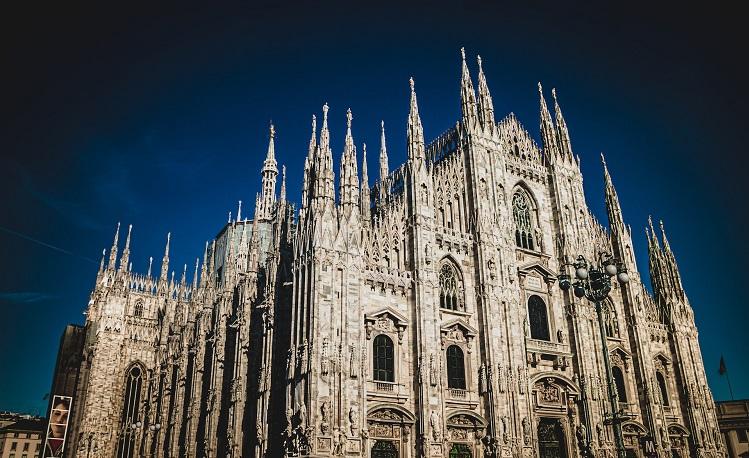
(420, 315)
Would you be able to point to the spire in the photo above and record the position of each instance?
(125, 259)
(547, 127)
(384, 167)
(621, 238)
(195, 275)
(309, 162)
(150, 265)
(364, 199)
(666, 245)
(415, 132)
(183, 280)
(313, 138)
(204, 267)
(467, 95)
(269, 174)
(324, 186)
(283, 183)
(364, 174)
(486, 106)
(349, 176)
(113, 250)
(101, 264)
(616, 221)
(239, 211)
(563, 134)
(165, 259)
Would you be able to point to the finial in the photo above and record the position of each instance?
(127, 240)
(603, 160)
(540, 89)
(239, 210)
(272, 130)
(478, 58)
(554, 93)
(349, 117)
(411, 82)
(325, 112)
(463, 52)
(314, 123)
(382, 125)
(168, 240)
(150, 265)
(230, 215)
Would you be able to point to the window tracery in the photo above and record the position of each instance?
(130, 411)
(521, 213)
(451, 288)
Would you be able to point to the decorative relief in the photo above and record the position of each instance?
(436, 423)
(548, 392)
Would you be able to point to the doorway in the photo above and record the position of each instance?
(551, 441)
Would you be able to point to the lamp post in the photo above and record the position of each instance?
(593, 281)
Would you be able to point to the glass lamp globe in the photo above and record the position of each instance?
(623, 277)
(158, 426)
(611, 269)
(579, 291)
(581, 273)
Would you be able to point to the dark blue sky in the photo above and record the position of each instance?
(159, 118)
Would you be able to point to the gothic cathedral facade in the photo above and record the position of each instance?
(418, 317)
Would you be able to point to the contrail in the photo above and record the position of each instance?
(44, 244)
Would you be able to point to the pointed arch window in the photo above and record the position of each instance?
(521, 213)
(538, 318)
(456, 373)
(383, 360)
(621, 389)
(138, 309)
(611, 324)
(451, 287)
(130, 420)
(662, 386)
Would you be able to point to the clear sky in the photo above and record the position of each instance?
(159, 118)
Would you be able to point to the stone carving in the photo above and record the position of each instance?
(548, 392)
(501, 379)
(353, 417)
(521, 379)
(436, 423)
(526, 431)
(505, 434)
(432, 371)
(325, 417)
(353, 361)
(560, 336)
(482, 379)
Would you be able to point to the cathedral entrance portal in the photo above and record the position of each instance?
(551, 442)
(384, 449)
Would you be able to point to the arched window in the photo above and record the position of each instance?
(456, 373)
(538, 318)
(521, 213)
(621, 390)
(138, 308)
(611, 324)
(383, 360)
(130, 422)
(450, 287)
(662, 386)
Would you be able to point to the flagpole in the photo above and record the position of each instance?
(730, 390)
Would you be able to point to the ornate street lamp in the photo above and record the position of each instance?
(594, 283)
